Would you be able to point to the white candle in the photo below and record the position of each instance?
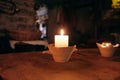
(61, 40)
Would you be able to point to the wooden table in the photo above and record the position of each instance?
(84, 64)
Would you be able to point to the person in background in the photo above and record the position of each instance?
(43, 30)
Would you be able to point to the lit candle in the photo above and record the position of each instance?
(61, 40)
(106, 44)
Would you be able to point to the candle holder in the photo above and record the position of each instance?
(107, 49)
(61, 54)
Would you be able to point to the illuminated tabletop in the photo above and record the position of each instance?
(84, 64)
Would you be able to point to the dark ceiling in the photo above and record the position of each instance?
(75, 3)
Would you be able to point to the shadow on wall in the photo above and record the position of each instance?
(4, 42)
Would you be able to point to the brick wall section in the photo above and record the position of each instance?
(24, 19)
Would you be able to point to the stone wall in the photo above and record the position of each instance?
(23, 19)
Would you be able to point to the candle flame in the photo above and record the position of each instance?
(106, 44)
(62, 31)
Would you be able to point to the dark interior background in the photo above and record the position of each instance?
(85, 21)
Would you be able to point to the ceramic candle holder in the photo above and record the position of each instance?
(107, 49)
(61, 54)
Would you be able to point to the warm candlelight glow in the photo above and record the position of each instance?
(61, 40)
(62, 32)
(106, 44)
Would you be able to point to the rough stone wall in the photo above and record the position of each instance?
(24, 19)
